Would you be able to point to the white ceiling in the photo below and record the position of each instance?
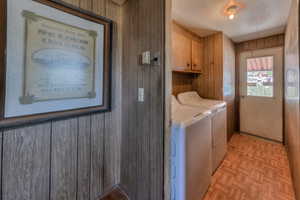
(260, 18)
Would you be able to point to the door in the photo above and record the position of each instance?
(181, 52)
(197, 55)
(261, 93)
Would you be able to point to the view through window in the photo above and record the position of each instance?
(260, 76)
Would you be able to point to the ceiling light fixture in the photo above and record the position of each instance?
(232, 8)
(231, 16)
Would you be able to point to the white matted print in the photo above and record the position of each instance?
(54, 60)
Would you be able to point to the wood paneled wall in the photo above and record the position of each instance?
(210, 83)
(182, 82)
(229, 83)
(76, 158)
(80, 157)
(262, 43)
(292, 112)
(143, 122)
(218, 78)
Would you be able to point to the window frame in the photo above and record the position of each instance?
(246, 74)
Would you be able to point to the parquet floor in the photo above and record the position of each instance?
(252, 170)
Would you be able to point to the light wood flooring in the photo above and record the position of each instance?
(253, 169)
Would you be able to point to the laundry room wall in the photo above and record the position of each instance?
(142, 158)
(75, 158)
(229, 83)
(217, 80)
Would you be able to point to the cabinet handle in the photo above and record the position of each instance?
(188, 64)
(194, 65)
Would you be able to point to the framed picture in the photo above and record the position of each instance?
(55, 61)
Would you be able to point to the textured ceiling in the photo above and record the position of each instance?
(260, 18)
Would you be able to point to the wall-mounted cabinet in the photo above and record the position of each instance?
(187, 50)
(181, 52)
(197, 55)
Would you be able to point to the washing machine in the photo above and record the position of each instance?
(191, 152)
(219, 123)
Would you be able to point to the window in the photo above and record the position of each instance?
(260, 76)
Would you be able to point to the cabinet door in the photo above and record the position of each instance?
(181, 52)
(197, 55)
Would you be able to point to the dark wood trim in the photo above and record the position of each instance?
(74, 10)
(38, 118)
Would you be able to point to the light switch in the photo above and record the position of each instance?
(141, 95)
(146, 58)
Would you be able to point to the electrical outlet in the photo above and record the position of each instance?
(146, 58)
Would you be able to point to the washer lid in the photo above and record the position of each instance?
(187, 115)
(193, 99)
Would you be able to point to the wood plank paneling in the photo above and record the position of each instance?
(182, 82)
(86, 4)
(229, 83)
(99, 7)
(129, 110)
(210, 83)
(64, 159)
(97, 155)
(26, 163)
(113, 119)
(262, 43)
(292, 87)
(143, 111)
(142, 143)
(82, 158)
(156, 101)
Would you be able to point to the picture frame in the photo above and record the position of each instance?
(66, 62)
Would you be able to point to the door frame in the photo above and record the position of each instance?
(275, 73)
(239, 51)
